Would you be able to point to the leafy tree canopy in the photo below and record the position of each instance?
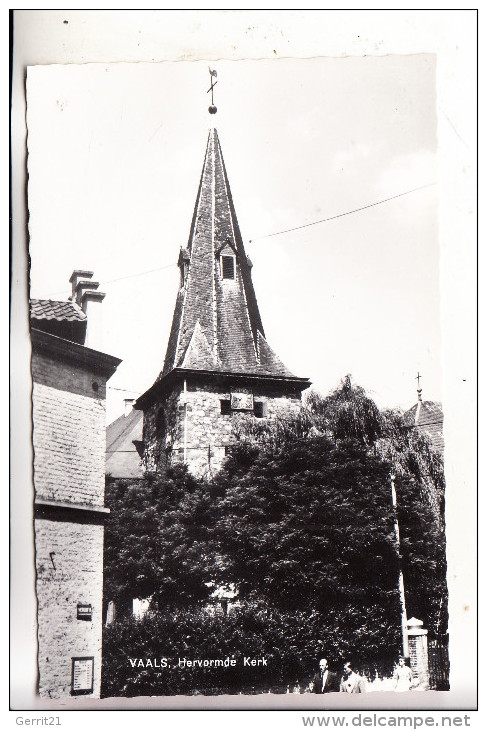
(300, 517)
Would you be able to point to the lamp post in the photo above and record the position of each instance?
(402, 597)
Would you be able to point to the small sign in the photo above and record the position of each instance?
(242, 401)
(82, 675)
(84, 611)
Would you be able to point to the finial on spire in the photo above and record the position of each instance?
(420, 390)
(212, 109)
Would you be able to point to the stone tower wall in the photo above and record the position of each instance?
(196, 431)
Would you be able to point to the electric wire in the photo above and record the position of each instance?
(277, 233)
(341, 215)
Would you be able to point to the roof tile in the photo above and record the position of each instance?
(61, 311)
(216, 323)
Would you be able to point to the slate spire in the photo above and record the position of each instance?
(216, 323)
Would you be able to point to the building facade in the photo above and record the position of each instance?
(69, 390)
(218, 364)
(124, 447)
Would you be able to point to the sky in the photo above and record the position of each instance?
(114, 158)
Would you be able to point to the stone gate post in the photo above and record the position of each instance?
(418, 653)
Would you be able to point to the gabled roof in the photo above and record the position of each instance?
(123, 436)
(199, 354)
(216, 323)
(49, 309)
(426, 413)
(62, 319)
(427, 416)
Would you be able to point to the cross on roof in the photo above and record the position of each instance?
(420, 390)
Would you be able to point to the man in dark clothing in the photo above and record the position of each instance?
(324, 680)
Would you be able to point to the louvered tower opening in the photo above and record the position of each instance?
(228, 267)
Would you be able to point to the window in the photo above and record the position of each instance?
(228, 267)
(160, 422)
(183, 263)
(260, 409)
(226, 407)
(182, 271)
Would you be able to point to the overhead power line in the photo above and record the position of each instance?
(269, 235)
(141, 273)
(127, 276)
(341, 215)
(125, 390)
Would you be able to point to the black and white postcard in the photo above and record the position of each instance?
(251, 292)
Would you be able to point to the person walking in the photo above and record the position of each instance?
(324, 680)
(351, 681)
(403, 676)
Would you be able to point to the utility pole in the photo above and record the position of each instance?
(402, 597)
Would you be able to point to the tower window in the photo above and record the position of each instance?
(260, 409)
(183, 263)
(228, 267)
(226, 407)
(160, 422)
(182, 270)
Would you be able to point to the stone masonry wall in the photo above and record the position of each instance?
(68, 432)
(69, 467)
(157, 441)
(69, 571)
(208, 432)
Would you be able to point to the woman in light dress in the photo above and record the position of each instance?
(403, 676)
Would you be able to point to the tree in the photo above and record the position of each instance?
(151, 539)
(347, 413)
(308, 524)
(351, 420)
(299, 518)
(411, 452)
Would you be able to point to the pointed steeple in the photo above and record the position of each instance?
(218, 363)
(216, 323)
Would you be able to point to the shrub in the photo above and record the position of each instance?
(291, 642)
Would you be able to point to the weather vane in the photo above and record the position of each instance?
(212, 109)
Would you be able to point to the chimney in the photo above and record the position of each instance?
(76, 277)
(129, 404)
(86, 295)
(81, 288)
(91, 305)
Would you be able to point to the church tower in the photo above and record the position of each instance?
(218, 363)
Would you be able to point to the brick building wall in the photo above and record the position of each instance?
(69, 431)
(197, 410)
(68, 572)
(69, 386)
